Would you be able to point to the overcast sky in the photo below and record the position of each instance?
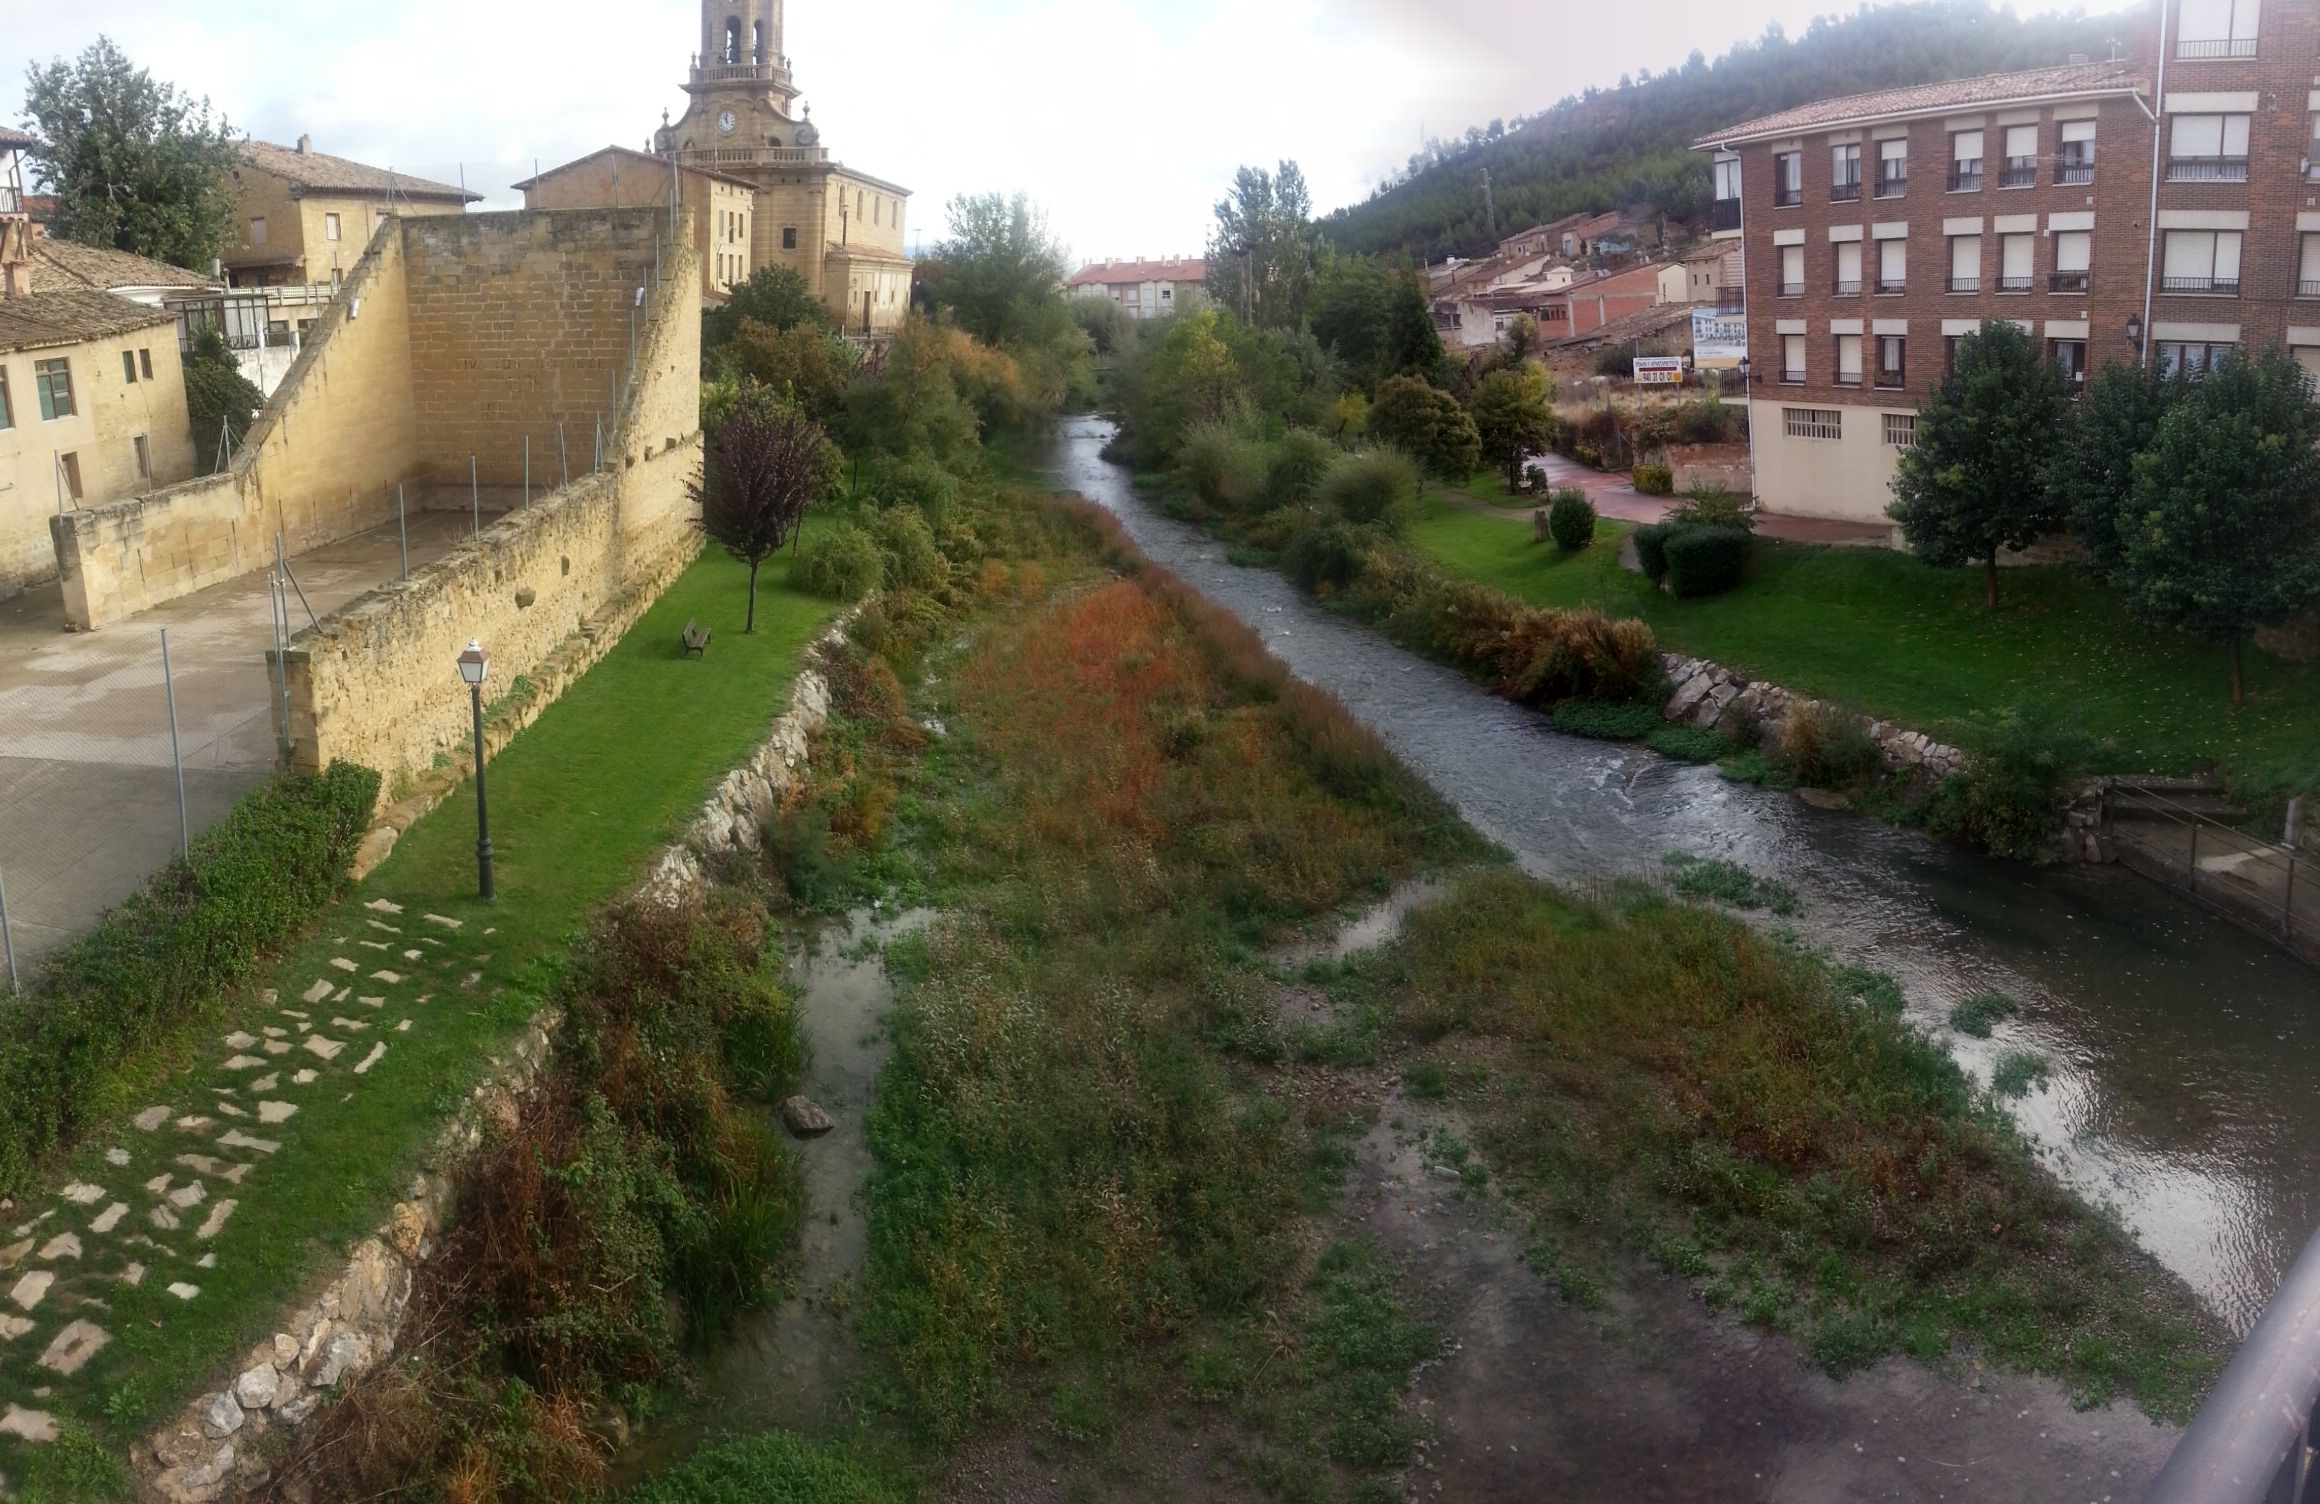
(1125, 118)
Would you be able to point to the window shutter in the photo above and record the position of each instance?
(1967, 147)
(2073, 251)
(2190, 253)
(2014, 250)
(1965, 257)
(2198, 136)
(2021, 140)
(1892, 260)
(2227, 256)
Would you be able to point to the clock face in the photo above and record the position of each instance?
(725, 123)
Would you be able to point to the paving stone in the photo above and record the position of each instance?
(273, 1033)
(206, 1261)
(381, 906)
(351, 1025)
(151, 1119)
(160, 1183)
(64, 1245)
(13, 1327)
(240, 1041)
(117, 1158)
(231, 1111)
(277, 1112)
(73, 1348)
(317, 992)
(187, 1197)
(277, 1046)
(383, 927)
(133, 1276)
(195, 1123)
(377, 1054)
(82, 1194)
(224, 1169)
(371, 945)
(240, 1140)
(109, 1218)
(14, 1254)
(340, 995)
(163, 1218)
(372, 1002)
(35, 1426)
(404, 1027)
(267, 1083)
(245, 1062)
(31, 1290)
(219, 1215)
(391, 978)
(470, 980)
(304, 1078)
(184, 1291)
(343, 964)
(414, 955)
(294, 1013)
(328, 1049)
(449, 924)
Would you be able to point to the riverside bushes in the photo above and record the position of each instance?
(200, 924)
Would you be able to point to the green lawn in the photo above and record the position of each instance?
(1877, 630)
(578, 801)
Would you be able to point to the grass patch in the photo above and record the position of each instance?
(772, 1468)
(1980, 1014)
(2016, 1072)
(1906, 643)
(1715, 880)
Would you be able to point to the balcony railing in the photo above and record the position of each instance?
(1787, 198)
(2207, 169)
(1792, 289)
(2016, 283)
(716, 70)
(1844, 289)
(2227, 287)
(2068, 281)
(2074, 170)
(1793, 376)
(1892, 184)
(1894, 286)
(757, 156)
(1965, 179)
(1965, 284)
(1848, 378)
(2019, 172)
(2308, 289)
(2190, 51)
(11, 202)
(1845, 193)
(1724, 214)
(1892, 380)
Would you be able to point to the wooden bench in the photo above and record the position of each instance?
(696, 639)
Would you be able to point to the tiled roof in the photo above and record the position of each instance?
(650, 163)
(10, 137)
(68, 263)
(1131, 273)
(1921, 99)
(321, 172)
(68, 316)
(1638, 325)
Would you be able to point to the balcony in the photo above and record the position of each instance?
(719, 71)
(2069, 281)
(1849, 378)
(1787, 198)
(2073, 171)
(1792, 289)
(1724, 214)
(1965, 284)
(1845, 193)
(756, 156)
(1730, 304)
(2219, 287)
(11, 202)
(1887, 289)
(1793, 377)
(1844, 289)
(1891, 381)
(2308, 289)
(2019, 172)
(1966, 179)
(2017, 283)
(2207, 169)
(1892, 185)
(2189, 51)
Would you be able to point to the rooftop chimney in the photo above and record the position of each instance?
(305, 145)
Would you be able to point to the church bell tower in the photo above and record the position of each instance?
(741, 54)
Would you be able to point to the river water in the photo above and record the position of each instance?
(2183, 1091)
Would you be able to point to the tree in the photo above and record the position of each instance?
(804, 364)
(774, 296)
(1262, 255)
(220, 402)
(1373, 316)
(1510, 412)
(1974, 484)
(2217, 537)
(1426, 423)
(1004, 272)
(767, 465)
(2093, 472)
(134, 164)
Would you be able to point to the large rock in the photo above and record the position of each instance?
(221, 1416)
(805, 1118)
(258, 1387)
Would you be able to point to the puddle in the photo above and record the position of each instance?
(1368, 930)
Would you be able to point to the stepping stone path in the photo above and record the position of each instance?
(66, 1256)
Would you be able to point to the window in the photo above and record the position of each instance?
(1728, 179)
(1965, 161)
(1792, 271)
(1813, 422)
(53, 380)
(1892, 168)
(2073, 260)
(129, 366)
(2208, 149)
(789, 237)
(1787, 179)
(1965, 263)
(1901, 430)
(70, 464)
(144, 458)
(2021, 169)
(2193, 360)
(2216, 28)
(1892, 361)
(2312, 152)
(7, 409)
(330, 227)
(1848, 268)
(2076, 164)
(2069, 357)
(1892, 265)
(1845, 172)
(1848, 360)
(145, 364)
(258, 230)
(2017, 260)
(2308, 268)
(2200, 261)
(1949, 344)
(1792, 359)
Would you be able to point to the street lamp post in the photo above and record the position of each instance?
(472, 664)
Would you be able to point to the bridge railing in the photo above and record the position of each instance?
(2252, 1442)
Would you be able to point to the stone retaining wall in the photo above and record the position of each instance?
(1710, 696)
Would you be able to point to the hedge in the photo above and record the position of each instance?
(1654, 480)
(200, 924)
(1705, 560)
(1651, 549)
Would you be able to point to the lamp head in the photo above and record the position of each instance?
(473, 662)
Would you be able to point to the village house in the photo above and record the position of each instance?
(303, 217)
(723, 207)
(1144, 289)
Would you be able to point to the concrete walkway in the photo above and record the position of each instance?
(88, 797)
(1615, 495)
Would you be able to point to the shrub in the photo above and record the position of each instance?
(1614, 361)
(1372, 487)
(1299, 463)
(250, 882)
(1607, 720)
(1655, 480)
(916, 482)
(2015, 778)
(1829, 748)
(1330, 552)
(1705, 560)
(1689, 743)
(1535, 479)
(1571, 518)
(1651, 549)
(1225, 471)
(844, 562)
(913, 561)
(1713, 506)
(1980, 1014)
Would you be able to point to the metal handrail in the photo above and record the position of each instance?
(2252, 1440)
(2292, 865)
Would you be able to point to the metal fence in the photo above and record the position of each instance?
(2267, 886)
(116, 750)
(2251, 1443)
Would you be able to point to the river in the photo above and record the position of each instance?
(2182, 1090)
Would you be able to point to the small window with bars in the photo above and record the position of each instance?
(1901, 430)
(1813, 422)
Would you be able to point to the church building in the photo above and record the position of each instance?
(838, 228)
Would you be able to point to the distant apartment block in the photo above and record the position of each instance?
(1145, 289)
(1876, 230)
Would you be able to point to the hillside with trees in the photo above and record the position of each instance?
(1631, 144)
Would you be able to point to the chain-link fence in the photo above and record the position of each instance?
(116, 748)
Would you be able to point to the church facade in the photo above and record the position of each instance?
(838, 228)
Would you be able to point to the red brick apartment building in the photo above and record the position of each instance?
(2163, 206)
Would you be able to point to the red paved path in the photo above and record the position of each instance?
(1615, 496)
